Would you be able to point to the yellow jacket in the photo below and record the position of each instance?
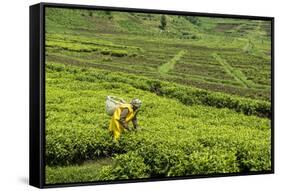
(115, 127)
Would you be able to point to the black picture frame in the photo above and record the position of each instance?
(37, 92)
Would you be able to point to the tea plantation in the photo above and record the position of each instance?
(204, 82)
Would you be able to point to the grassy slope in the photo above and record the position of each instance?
(157, 47)
(88, 171)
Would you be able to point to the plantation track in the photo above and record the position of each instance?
(168, 66)
(237, 75)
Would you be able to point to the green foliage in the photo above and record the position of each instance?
(188, 95)
(109, 15)
(89, 171)
(119, 53)
(78, 47)
(213, 160)
(127, 166)
(193, 20)
(254, 149)
(68, 143)
(201, 139)
(165, 68)
(163, 22)
(222, 126)
(71, 46)
(148, 49)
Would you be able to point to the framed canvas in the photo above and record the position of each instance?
(127, 95)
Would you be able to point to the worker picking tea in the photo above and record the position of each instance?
(122, 113)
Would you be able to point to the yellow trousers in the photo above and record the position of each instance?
(115, 127)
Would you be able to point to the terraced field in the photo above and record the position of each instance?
(249, 75)
(205, 85)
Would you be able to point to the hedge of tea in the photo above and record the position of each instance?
(186, 95)
(175, 140)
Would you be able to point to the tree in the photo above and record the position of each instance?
(163, 22)
(193, 20)
(108, 14)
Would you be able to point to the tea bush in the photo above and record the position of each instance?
(186, 95)
(175, 139)
(127, 166)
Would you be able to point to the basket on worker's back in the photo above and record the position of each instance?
(112, 103)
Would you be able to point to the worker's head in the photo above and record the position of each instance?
(136, 103)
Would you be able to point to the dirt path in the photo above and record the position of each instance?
(234, 72)
(166, 67)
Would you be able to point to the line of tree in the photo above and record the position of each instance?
(163, 22)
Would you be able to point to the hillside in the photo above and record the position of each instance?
(175, 139)
(226, 55)
(205, 84)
